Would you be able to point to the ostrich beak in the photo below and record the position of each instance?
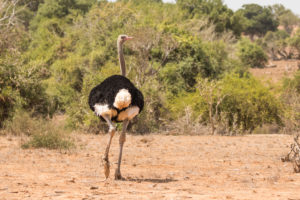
(129, 38)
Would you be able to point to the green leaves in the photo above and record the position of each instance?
(249, 104)
(217, 13)
(260, 19)
(251, 54)
(294, 41)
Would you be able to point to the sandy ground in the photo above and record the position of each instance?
(283, 69)
(155, 167)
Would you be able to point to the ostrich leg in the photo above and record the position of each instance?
(122, 140)
(111, 131)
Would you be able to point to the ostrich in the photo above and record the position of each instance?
(116, 99)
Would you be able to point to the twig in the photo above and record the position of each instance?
(294, 155)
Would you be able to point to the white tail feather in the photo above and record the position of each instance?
(101, 110)
(122, 99)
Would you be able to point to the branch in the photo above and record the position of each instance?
(296, 143)
(294, 155)
(8, 12)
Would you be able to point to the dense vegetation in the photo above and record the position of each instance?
(191, 54)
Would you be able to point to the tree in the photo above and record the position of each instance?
(61, 8)
(210, 91)
(260, 19)
(286, 17)
(295, 42)
(141, 1)
(217, 13)
(276, 45)
(278, 10)
(32, 5)
(289, 20)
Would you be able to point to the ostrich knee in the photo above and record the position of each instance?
(106, 163)
(112, 131)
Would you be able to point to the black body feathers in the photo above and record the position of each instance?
(105, 93)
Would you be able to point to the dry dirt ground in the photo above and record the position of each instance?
(280, 70)
(155, 167)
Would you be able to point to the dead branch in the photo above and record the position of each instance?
(8, 12)
(294, 155)
(211, 92)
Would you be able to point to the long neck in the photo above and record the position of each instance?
(121, 59)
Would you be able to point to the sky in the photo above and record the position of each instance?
(294, 5)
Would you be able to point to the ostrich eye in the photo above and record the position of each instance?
(123, 37)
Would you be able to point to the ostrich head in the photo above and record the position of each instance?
(123, 38)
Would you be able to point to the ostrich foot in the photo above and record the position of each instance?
(106, 168)
(118, 175)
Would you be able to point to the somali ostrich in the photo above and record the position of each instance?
(116, 99)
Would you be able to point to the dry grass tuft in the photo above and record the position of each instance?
(42, 133)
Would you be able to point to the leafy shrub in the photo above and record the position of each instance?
(275, 44)
(7, 103)
(150, 119)
(293, 83)
(237, 104)
(291, 99)
(248, 104)
(296, 81)
(295, 42)
(252, 54)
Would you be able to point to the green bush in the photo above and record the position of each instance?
(239, 104)
(251, 54)
(248, 104)
(291, 98)
(275, 44)
(7, 104)
(294, 42)
(150, 119)
(292, 83)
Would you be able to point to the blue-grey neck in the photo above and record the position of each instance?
(121, 58)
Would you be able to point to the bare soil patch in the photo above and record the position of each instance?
(155, 167)
(284, 68)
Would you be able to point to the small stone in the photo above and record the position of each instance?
(59, 192)
(94, 188)
(72, 181)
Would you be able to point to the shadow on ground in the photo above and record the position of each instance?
(152, 180)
